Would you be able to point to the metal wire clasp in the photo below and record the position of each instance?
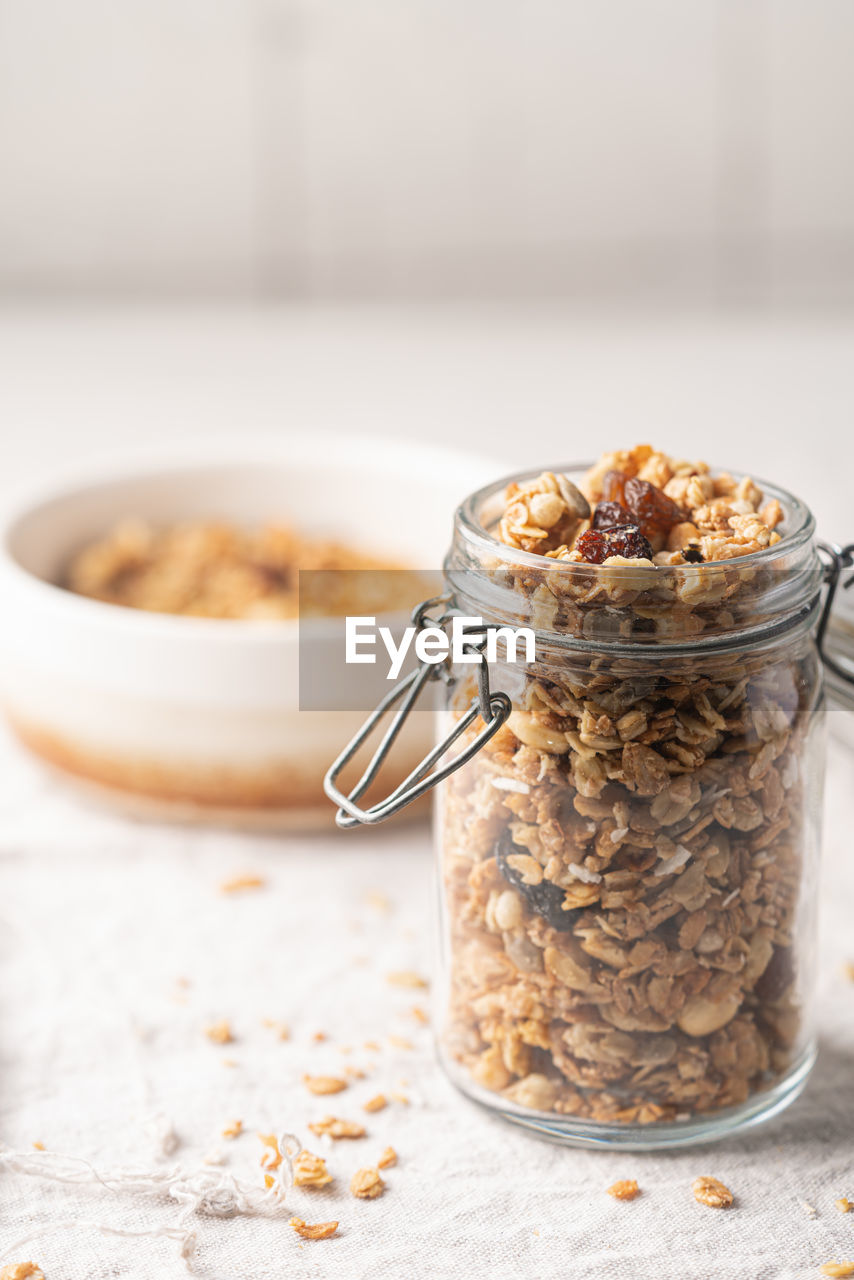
(493, 709)
(838, 559)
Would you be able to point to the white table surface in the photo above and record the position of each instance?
(102, 1049)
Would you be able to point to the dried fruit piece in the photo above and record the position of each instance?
(311, 1171)
(313, 1231)
(712, 1192)
(609, 514)
(545, 898)
(596, 545)
(652, 510)
(626, 1189)
(332, 1127)
(367, 1184)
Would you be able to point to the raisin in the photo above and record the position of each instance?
(614, 486)
(692, 555)
(652, 511)
(608, 514)
(596, 545)
(545, 899)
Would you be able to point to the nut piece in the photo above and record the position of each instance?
(366, 1184)
(838, 1269)
(626, 1189)
(324, 1084)
(377, 1103)
(311, 1171)
(313, 1231)
(700, 1017)
(387, 1159)
(332, 1127)
(712, 1192)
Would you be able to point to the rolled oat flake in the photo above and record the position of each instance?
(628, 824)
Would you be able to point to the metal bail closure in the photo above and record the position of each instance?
(493, 708)
(838, 559)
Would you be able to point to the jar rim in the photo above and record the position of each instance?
(467, 520)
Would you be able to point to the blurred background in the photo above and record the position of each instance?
(280, 149)
(599, 222)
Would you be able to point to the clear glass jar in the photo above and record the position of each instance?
(628, 867)
(628, 830)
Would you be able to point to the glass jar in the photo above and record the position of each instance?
(628, 847)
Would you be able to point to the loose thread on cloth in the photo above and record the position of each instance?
(204, 1191)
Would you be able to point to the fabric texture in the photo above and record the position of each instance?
(118, 948)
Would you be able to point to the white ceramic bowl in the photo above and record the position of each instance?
(195, 717)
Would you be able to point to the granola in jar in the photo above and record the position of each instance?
(628, 864)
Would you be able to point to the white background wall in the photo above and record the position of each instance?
(690, 150)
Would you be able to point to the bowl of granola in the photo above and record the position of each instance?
(150, 646)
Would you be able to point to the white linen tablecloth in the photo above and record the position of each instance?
(117, 949)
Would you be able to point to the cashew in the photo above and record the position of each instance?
(700, 1017)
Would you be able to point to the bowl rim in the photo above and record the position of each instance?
(249, 452)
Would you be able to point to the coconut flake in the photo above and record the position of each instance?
(673, 863)
(731, 897)
(618, 834)
(581, 873)
(511, 784)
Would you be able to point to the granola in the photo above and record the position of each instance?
(623, 861)
(711, 1192)
(214, 570)
(313, 1231)
(331, 1126)
(310, 1170)
(626, 1189)
(367, 1184)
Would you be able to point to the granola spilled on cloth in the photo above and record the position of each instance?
(623, 860)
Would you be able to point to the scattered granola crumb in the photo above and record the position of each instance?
(39, 1146)
(313, 1231)
(377, 1103)
(311, 1171)
(281, 1028)
(355, 1073)
(230, 1062)
(332, 1127)
(406, 978)
(367, 1184)
(220, 1032)
(844, 1205)
(419, 1014)
(272, 1158)
(372, 1046)
(319, 1037)
(625, 1189)
(238, 883)
(712, 1192)
(400, 1042)
(233, 1129)
(838, 1269)
(269, 1180)
(401, 1098)
(379, 901)
(22, 1271)
(387, 1159)
(848, 970)
(324, 1084)
(809, 1209)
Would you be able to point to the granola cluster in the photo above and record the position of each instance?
(623, 861)
(220, 571)
(682, 513)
